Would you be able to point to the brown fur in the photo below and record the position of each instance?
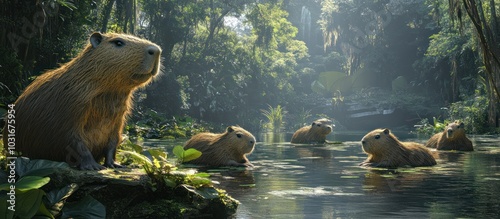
(385, 150)
(452, 138)
(224, 149)
(76, 113)
(314, 133)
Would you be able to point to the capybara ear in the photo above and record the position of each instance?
(230, 129)
(462, 125)
(313, 124)
(387, 131)
(96, 39)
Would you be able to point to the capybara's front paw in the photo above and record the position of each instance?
(90, 165)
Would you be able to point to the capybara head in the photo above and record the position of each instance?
(240, 138)
(379, 140)
(136, 61)
(322, 126)
(455, 129)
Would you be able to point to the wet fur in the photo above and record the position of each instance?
(76, 113)
(452, 138)
(224, 149)
(314, 133)
(388, 151)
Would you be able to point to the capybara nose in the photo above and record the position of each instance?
(152, 50)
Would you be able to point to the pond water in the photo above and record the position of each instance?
(325, 181)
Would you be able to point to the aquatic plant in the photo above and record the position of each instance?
(165, 174)
(425, 128)
(274, 118)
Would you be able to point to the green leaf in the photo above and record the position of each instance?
(27, 167)
(58, 195)
(204, 175)
(5, 213)
(31, 182)
(178, 151)
(200, 181)
(28, 203)
(207, 192)
(190, 154)
(138, 157)
(158, 154)
(43, 212)
(87, 207)
(5, 187)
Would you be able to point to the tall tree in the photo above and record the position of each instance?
(486, 26)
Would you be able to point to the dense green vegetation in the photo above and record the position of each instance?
(226, 61)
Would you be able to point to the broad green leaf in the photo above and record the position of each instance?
(201, 181)
(178, 151)
(205, 175)
(190, 154)
(58, 195)
(207, 192)
(5, 213)
(43, 213)
(5, 187)
(31, 182)
(27, 167)
(28, 203)
(87, 207)
(158, 154)
(138, 157)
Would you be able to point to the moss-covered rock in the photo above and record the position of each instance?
(129, 193)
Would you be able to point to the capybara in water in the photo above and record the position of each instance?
(314, 133)
(225, 149)
(452, 138)
(76, 113)
(385, 150)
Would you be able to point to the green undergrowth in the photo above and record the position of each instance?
(166, 176)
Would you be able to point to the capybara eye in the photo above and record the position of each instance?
(319, 125)
(238, 135)
(118, 43)
(377, 136)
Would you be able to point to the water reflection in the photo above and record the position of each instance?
(325, 181)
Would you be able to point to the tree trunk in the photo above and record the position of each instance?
(106, 15)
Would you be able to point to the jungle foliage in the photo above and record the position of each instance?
(224, 61)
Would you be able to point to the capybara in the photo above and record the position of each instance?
(225, 149)
(314, 133)
(385, 150)
(76, 113)
(452, 138)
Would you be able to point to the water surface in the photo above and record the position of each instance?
(325, 181)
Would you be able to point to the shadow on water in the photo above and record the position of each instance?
(325, 181)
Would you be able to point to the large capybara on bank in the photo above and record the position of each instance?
(314, 133)
(385, 150)
(76, 113)
(452, 138)
(225, 149)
